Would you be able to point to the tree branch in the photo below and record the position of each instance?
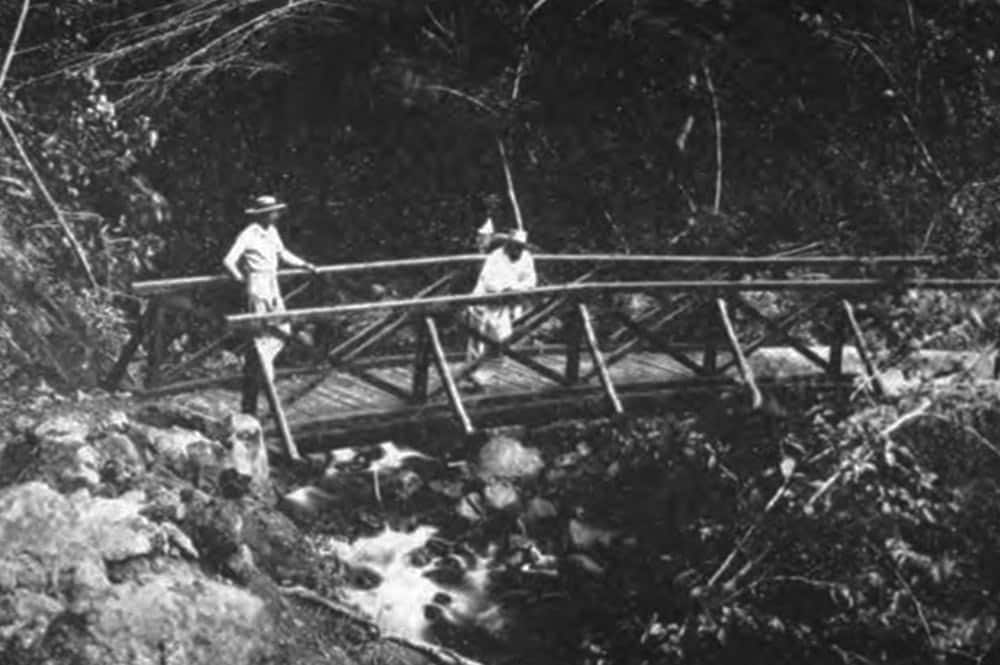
(70, 236)
(9, 58)
(717, 201)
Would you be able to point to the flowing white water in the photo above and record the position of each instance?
(398, 604)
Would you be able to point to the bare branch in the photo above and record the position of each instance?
(12, 48)
(717, 201)
(70, 236)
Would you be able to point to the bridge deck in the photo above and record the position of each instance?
(344, 406)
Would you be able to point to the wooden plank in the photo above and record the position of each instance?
(373, 379)
(595, 353)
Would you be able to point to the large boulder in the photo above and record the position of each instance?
(176, 615)
(64, 599)
(504, 457)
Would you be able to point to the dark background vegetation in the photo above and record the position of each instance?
(868, 126)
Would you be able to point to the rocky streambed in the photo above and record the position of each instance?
(127, 539)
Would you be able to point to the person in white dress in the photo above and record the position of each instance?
(508, 268)
(254, 259)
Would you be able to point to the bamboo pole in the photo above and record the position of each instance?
(729, 286)
(150, 287)
(274, 401)
(511, 192)
(595, 354)
(446, 378)
(734, 344)
(871, 375)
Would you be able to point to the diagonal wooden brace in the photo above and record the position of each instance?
(274, 401)
(447, 380)
(746, 373)
(651, 337)
(595, 353)
(872, 377)
(505, 348)
(780, 330)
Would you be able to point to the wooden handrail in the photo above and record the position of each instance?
(155, 286)
(592, 288)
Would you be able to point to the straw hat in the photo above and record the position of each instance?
(264, 204)
(520, 236)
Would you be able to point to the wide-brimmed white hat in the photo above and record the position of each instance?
(519, 236)
(263, 204)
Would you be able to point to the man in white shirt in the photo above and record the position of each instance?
(509, 268)
(254, 259)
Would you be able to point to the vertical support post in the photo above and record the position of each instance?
(595, 353)
(421, 364)
(441, 361)
(139, 334)
(757, 400)
(274, 401)
(836, 359)
(710, 358)
(871, 376)
(158, 343)
(572, 331)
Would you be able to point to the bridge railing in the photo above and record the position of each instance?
(707, 313)
(185, 336)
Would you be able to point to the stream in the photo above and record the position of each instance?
(496, 557)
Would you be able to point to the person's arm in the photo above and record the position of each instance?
(292, 259)
(233, 256)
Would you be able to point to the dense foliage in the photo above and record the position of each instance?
(632, 125)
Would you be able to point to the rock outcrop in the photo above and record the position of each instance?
(127, 543)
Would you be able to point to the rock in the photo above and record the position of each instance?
(25, 616)
(279, 548)
(585, 564)
(179, 616)
(248, 453)
(504, 457)
(501, 495)
(55, 553)
(70, 429)
(470, 507)
(540, 509)
(586, 536)
(174, 446)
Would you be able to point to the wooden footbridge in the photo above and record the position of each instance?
(372, 355)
